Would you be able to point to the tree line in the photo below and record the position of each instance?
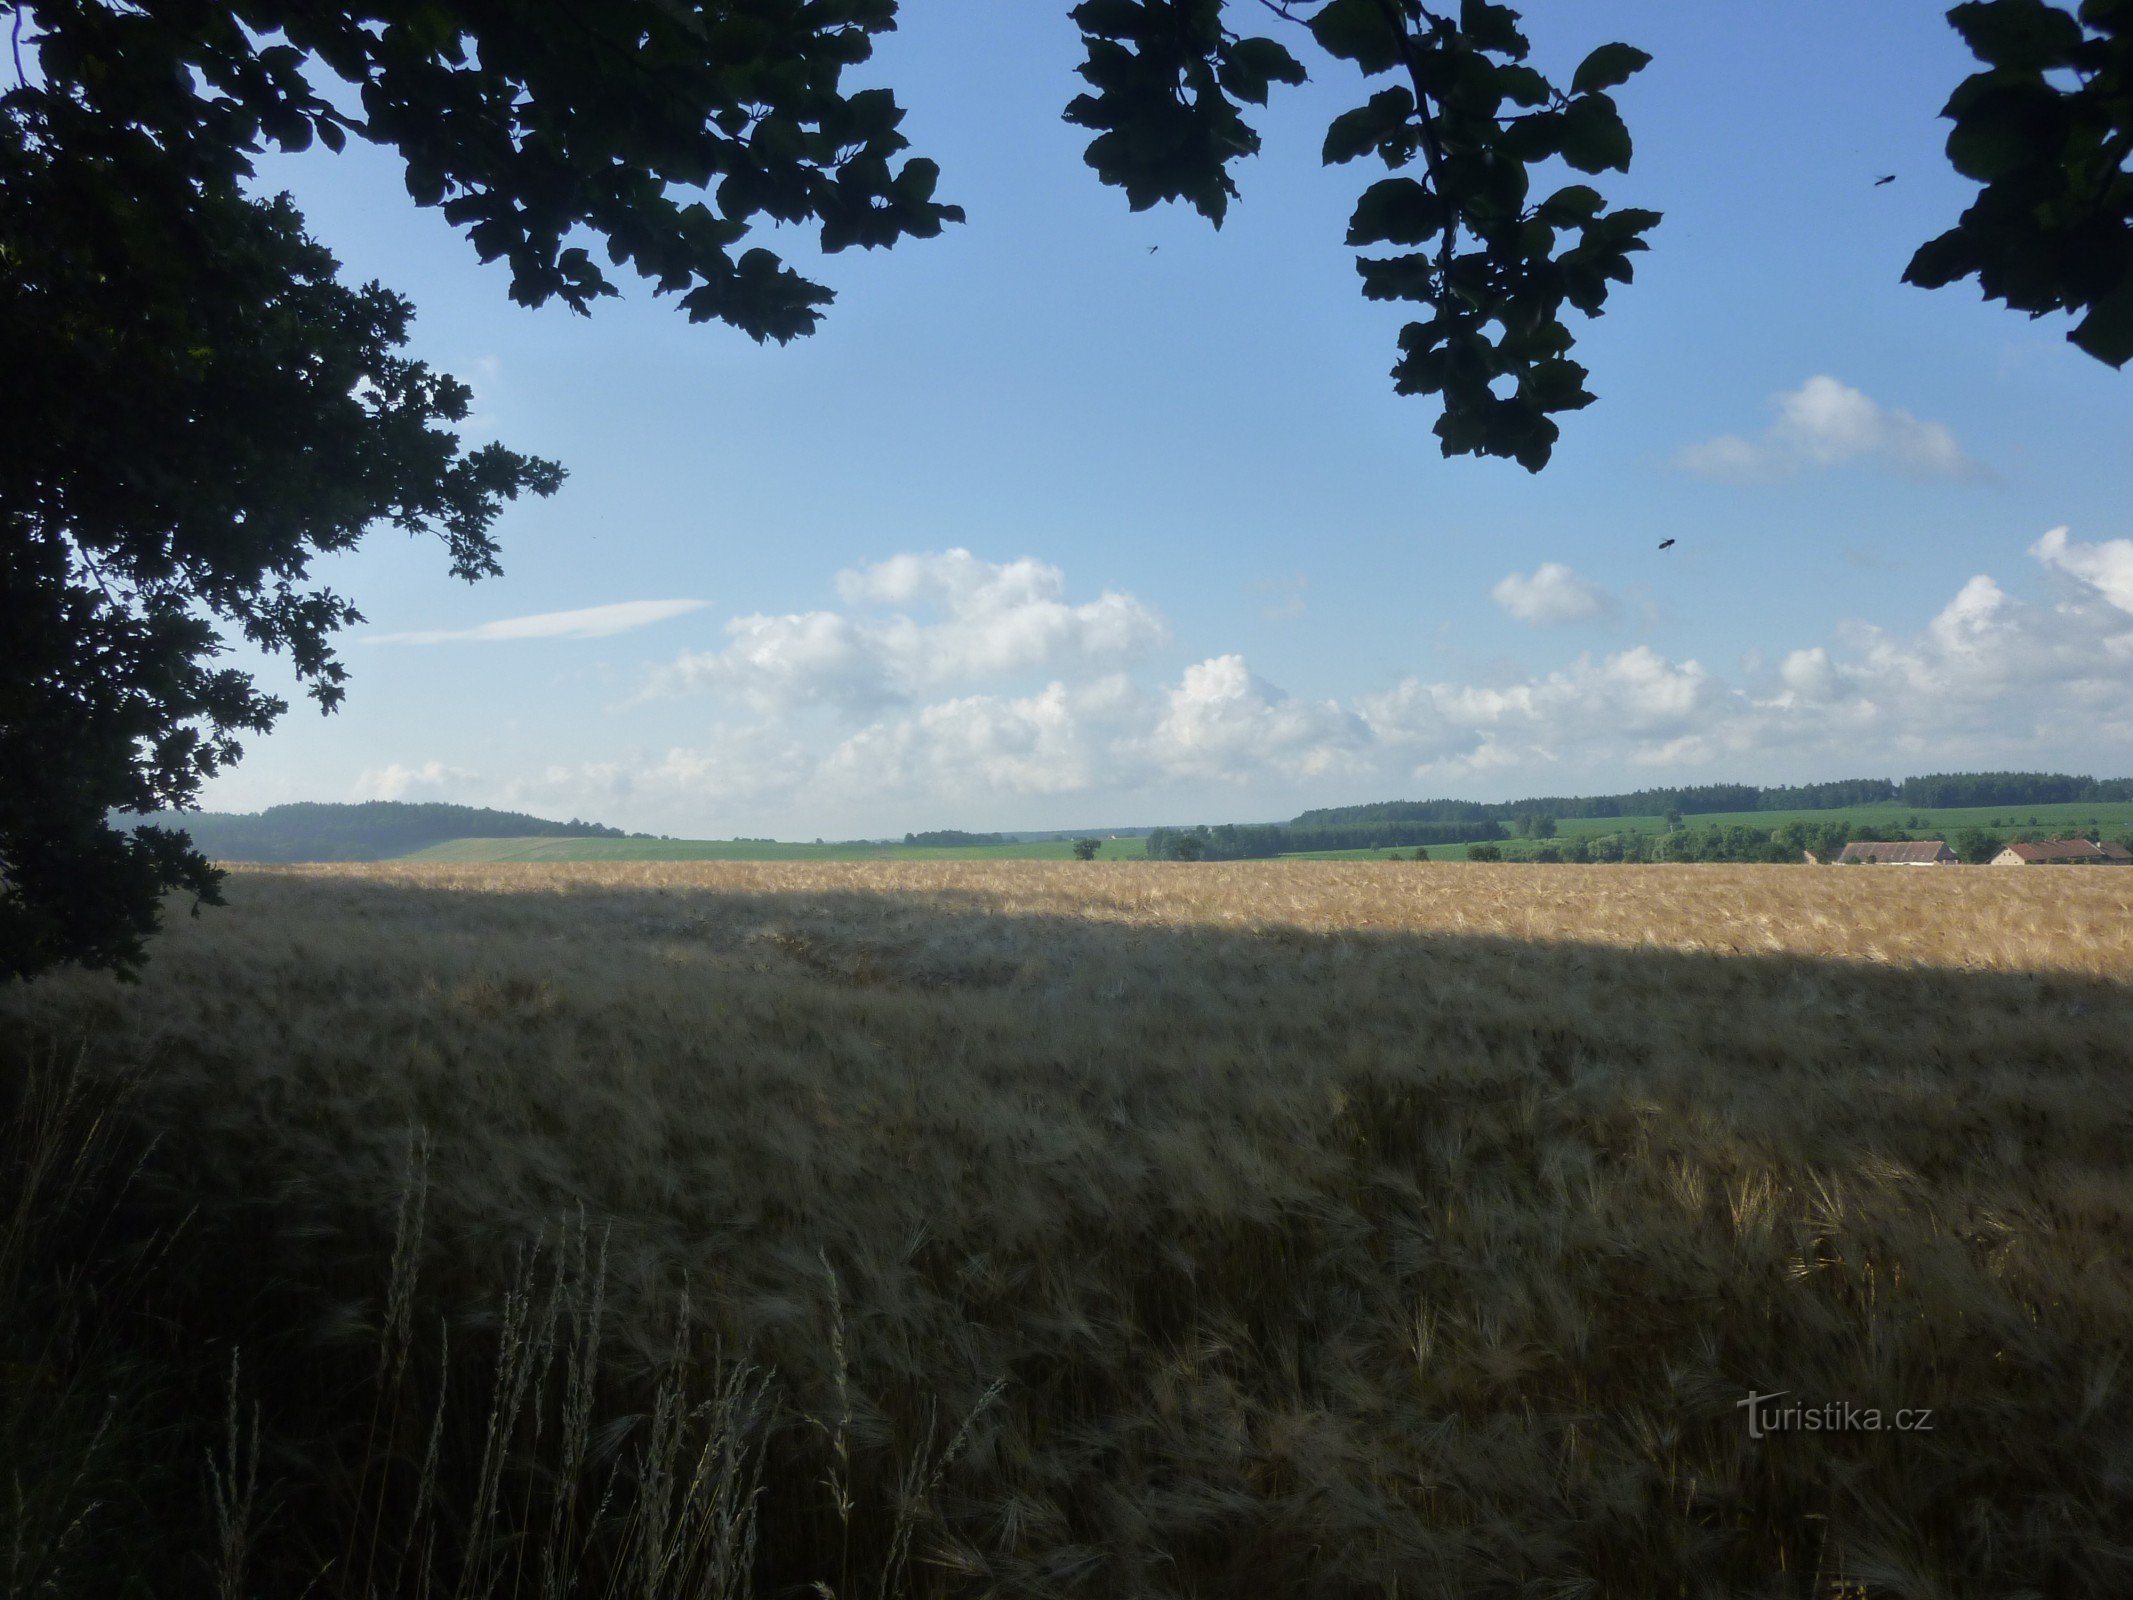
(375, 830)
(1938, 789)
(1742, 842)
(1251, 841)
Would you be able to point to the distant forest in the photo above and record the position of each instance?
(1248, 841)
(941, 838)
(1933, 789)
(375, 830)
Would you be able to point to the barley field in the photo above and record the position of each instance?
(1033, 1229)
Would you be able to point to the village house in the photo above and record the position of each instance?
(2063, 852)
(1898, 853)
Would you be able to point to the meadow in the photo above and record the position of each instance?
(1025, 1228)
(2114, 819)
(467, 851)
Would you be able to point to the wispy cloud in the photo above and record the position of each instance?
(429, 780)
(592, 622)
(1828, 423)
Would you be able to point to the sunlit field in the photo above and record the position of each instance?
(1016, 1229)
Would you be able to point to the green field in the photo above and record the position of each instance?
(2114, 818)
(487, 850)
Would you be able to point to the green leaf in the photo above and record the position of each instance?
(2107, 331)
(1607, 66)
(1523, 86)
(1407, 277)
(1532, 138)
(2011, 126)
(1271, 60)
(916, 183)
(425, 185)
(1941, 261)
(1594, 136)
(1621, 227)
(1358, 31)
(2027, 35)
(1573, 204)
(1489, 26)
(1396, 211)
(1368, 125)
(1111, 19)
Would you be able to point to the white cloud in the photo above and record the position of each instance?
(592, 622)
(432, 780)
(1635, 706)
(988, 621)
(1553, 595)
(1061, 740)
(1992, 678)
(1827, 423)
(1224, 723)
(2105, 567)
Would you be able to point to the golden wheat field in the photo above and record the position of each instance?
(1032, 1229)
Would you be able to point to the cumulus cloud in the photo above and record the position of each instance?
(2107, 567)
(1063, 739)
(432, 780)
(1551, 596)
(1828, 423)
(1991, 678)
(1634, 706)
(591, 622)
(1225, 723)
(918, 623)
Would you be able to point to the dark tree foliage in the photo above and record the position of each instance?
(1937, 790)
(375, 830)
(2011, 789)
(1460, 125)
(1976, 846)
(2047, 128)
(948, 837)
(1825, 796)
(664, 128)
(196, 407)
(1252, 841)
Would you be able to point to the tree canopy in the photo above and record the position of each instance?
(198, 406)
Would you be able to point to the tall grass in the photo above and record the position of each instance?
(865, 1230)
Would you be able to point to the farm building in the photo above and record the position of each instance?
(1898, 853)
(2063, 852)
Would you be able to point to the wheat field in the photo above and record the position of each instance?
(1031, 1229)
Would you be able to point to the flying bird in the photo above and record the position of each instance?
(1153, 248)
(1666, 544)
(1891, 178)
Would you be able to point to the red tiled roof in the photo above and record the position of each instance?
(1898, 851)
(2069, 850)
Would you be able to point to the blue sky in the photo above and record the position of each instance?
(1049, 529)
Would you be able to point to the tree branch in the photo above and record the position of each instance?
(1432, 150)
